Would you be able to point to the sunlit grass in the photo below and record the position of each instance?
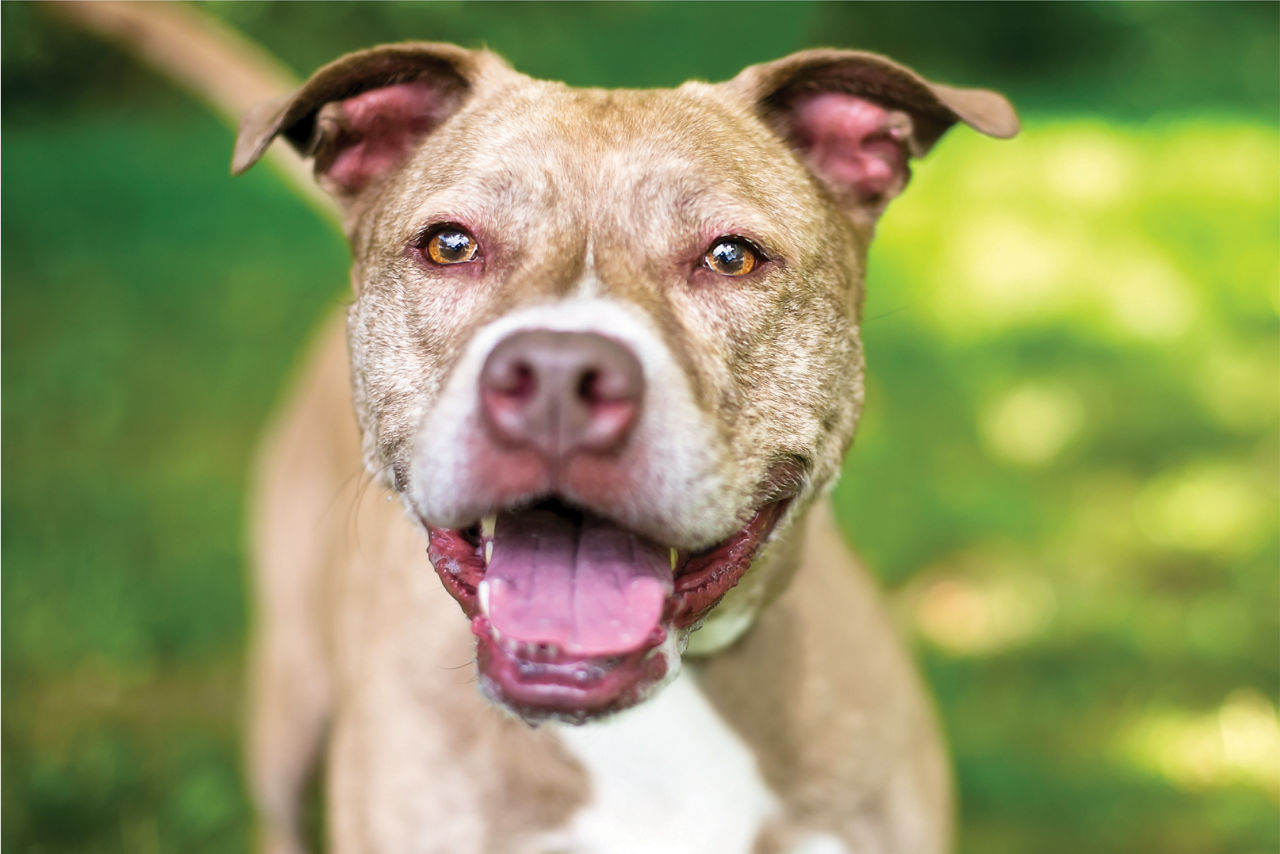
(1102, 228)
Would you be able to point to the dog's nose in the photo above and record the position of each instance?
(561, 392)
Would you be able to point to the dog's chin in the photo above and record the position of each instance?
(575, 616)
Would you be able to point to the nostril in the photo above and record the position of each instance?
(515, 380)
(606, 385)
(523, 383)
(589, 389)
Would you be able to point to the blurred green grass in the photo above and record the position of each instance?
(1066, 472)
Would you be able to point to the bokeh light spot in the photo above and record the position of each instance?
(1088, 167)
(1144, 294)
(1002, 270)
(1240, 387)
(977, 615)
(1032, 423)
(1207, 507)
(1238, 743)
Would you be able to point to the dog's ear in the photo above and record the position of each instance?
(856, 119)
(361, 115)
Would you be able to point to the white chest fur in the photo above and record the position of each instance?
(668, 777)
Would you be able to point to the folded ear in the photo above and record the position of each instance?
(361, 116)
(855, 119)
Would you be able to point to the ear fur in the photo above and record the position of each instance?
(360, 115)
(854, 118)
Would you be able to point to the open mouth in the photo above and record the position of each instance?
(576, 616)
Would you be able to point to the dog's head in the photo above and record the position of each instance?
(605, 343)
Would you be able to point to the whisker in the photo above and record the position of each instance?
(886, 314)
(367, 480)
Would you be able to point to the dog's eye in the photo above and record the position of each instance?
(731, 256)
(450, 245)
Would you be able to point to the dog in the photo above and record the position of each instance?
(605, 359)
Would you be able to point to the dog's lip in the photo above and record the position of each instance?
(540, 682)
(702, 579)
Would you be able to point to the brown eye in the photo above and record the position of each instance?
(731, 256)
(451, 245)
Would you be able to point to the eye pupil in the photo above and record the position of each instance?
(731, 258)
(451, 246)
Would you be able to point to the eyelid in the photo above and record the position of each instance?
(754, 245)
(422, 234)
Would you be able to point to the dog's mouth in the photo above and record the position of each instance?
(576, 616)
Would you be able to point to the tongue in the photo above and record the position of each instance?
(580, 583)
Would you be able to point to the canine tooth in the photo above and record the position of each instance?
(482, 593)
(488, 550)
(487, 525)
(674, 557)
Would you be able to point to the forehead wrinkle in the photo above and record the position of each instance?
(489, 195)
(677, 203)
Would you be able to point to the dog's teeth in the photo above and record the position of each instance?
(488, 551)
(487, 525)
(482, 594)
(675, 555)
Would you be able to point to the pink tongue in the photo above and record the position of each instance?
(585, 585)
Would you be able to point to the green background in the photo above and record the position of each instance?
(1066, 475)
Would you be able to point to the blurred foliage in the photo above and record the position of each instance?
(1068, 466)
(1066, 471)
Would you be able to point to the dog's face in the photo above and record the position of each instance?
(605, 343)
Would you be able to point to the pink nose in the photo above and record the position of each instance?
(561, 392)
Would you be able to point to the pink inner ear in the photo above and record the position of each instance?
(852, 143)
(381, 126)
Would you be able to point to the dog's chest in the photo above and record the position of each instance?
(667, 777)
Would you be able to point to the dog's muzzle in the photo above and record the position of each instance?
(576, 614)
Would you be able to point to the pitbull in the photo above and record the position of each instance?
(605, 359)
